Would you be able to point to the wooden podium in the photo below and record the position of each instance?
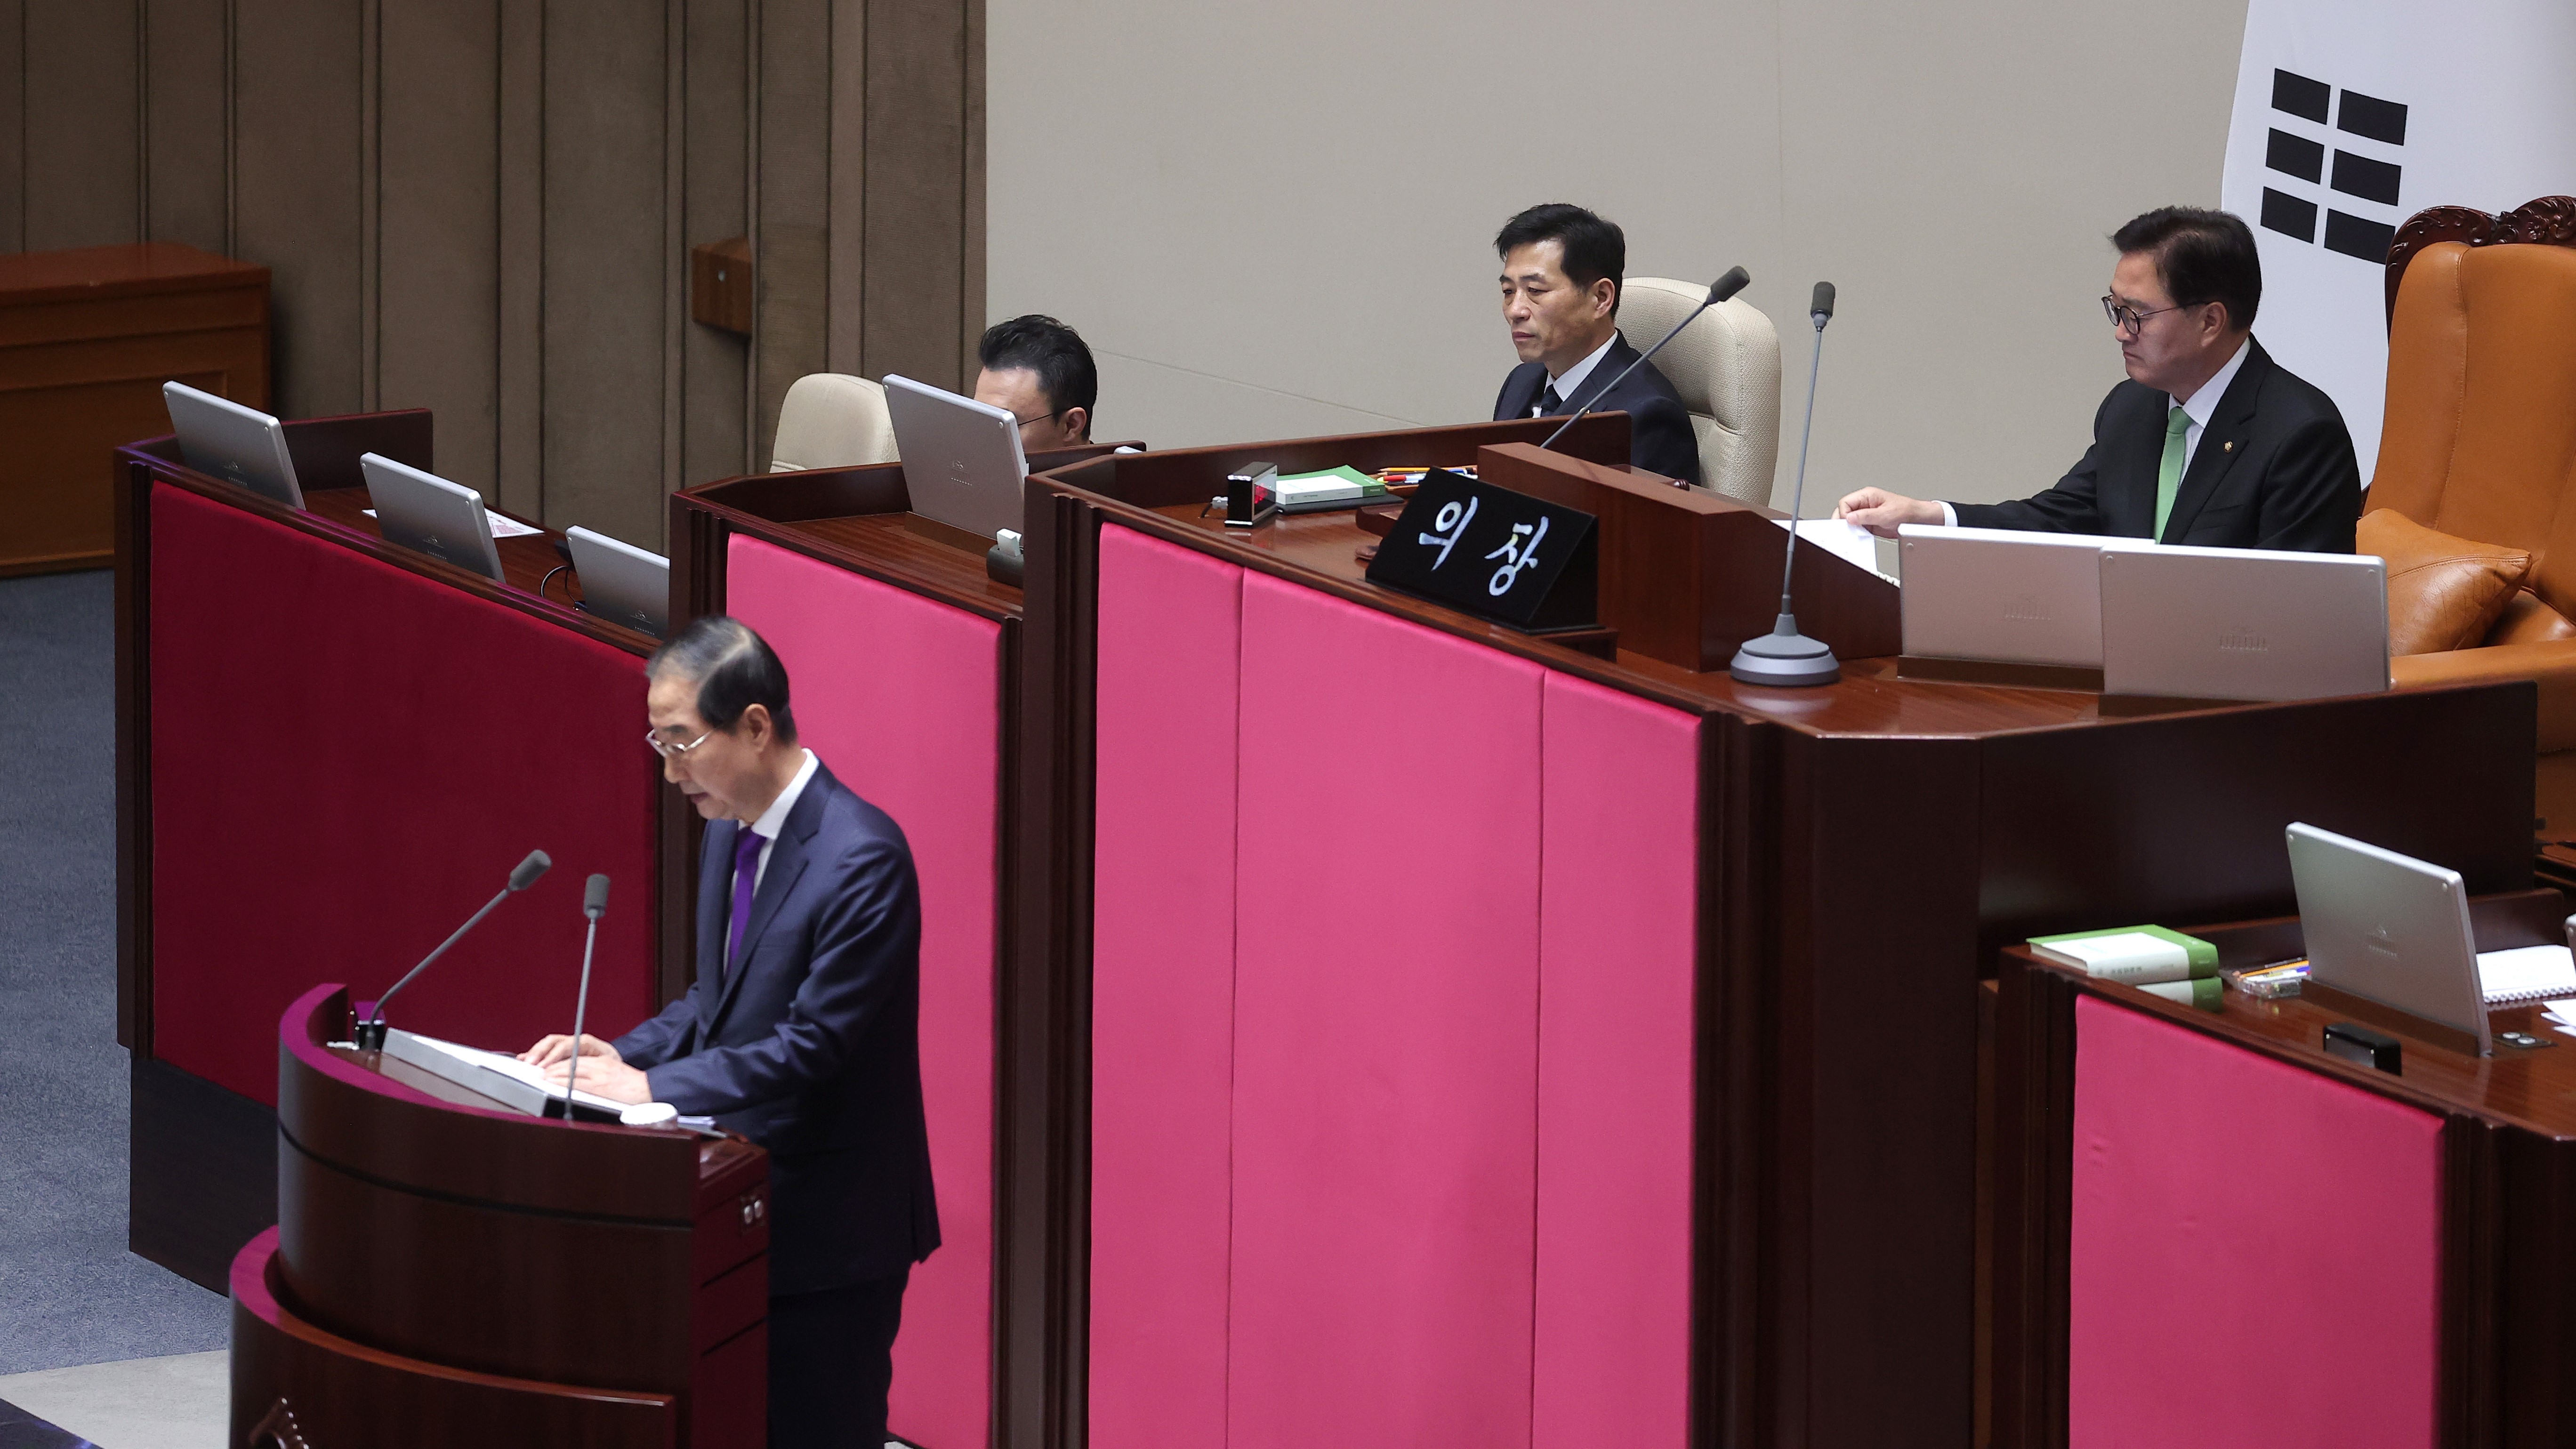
(446, 1271)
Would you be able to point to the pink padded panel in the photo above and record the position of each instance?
(2255, 1249)
(1162, 992)
(1618, 917)
(1386, 1033)
(347, 758)
(902, 696)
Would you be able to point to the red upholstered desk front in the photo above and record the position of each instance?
(347, 758)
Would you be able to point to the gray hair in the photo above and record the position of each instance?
(732, 667)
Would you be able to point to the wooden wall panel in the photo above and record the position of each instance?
(83, 166)
(297, 189)
(603, 280)
(185, 180)
(437, 279)
(485, 207)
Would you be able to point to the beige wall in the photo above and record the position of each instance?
(486, 207)
(1274, 221)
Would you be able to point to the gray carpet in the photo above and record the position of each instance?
(69, 1291)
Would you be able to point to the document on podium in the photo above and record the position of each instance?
(497, 1075)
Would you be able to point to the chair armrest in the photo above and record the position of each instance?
(2551, 665)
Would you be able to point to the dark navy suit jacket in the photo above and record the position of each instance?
(1660, 439)
(809, 1044)
(2274, 469)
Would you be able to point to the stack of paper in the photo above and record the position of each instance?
(2561, 1015)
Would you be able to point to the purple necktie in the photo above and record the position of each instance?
(746, 874)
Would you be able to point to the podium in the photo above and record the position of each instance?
(445, 1271)
(1470, 1040)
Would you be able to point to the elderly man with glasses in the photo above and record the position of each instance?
(802, 1030)
(2209, 442)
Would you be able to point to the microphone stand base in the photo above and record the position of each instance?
(1785, 658)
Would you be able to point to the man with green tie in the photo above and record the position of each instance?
(2209, 442)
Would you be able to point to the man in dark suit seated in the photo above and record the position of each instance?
(1562, 269)
(1039, 371)
(2209, 442)
(801, 1031)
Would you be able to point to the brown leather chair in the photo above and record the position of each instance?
(2480, 442)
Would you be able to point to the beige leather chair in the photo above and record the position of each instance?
(832, 420)
(1726, 368)
(2480, 444)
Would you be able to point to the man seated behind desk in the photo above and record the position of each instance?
(1039, 371)
(802, 1030)
(1562, 270)
(2210, 442)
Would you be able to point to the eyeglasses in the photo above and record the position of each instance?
(2127, 318)
(674, 752)
(1035, 418)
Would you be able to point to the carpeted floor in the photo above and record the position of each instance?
(69, 1291)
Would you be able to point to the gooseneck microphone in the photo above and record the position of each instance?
(1784, 656)
(594, 904)
(1735, 280)
(371, 1032)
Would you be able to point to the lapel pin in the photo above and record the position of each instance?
(2228, 447)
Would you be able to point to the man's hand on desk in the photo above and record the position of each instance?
(1882, 512)
(603, 1072)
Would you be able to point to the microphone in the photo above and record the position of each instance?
(594, 904)
(371, 1032)
(1784, 656)
(1735, 280)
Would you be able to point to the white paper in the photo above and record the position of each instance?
(1841, 537)
(517, 1070)
(501, 527)
(2525, 972)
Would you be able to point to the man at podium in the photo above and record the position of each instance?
(801, 1031)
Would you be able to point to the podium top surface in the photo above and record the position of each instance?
(125, 269)
(395, 1124)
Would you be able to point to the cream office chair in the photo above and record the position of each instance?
(1727, 369)
(833, 420)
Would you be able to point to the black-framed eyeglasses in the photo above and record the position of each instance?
(1037, 417)
(2129, 318)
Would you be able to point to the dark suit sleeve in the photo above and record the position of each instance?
(2073, 506)
(2311, 498)
(1661, 440)
(650, 1043)
(867, 939)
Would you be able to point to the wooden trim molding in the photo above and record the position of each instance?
(2543, 221)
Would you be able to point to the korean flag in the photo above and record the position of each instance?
(2352, 115)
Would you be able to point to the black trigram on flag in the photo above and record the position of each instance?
(2290, 153)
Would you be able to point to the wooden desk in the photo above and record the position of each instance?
(447, 1271)
(1355, 911)
(87, 337)
(2469, 1330)
(330, 748)
(904, 656)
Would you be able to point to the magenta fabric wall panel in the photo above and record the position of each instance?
(1386, 1051)
(1162, 992)
(1618, 913)
(2230, 1209)
(901, 696)
(347, 759)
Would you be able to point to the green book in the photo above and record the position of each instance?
(2137, 955)
(1332, 485)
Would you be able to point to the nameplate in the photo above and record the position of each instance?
(1492, 552)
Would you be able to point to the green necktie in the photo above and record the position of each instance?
(2169, 474)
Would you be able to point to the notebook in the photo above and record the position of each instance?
(2526, 973)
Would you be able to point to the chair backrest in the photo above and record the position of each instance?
(832, 420)
(2480, 433)
(1726, 368)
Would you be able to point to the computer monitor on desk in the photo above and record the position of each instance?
(222, 439)
(2241, 623)
(2001, 595)
(428, 514)
(962, 462)
(621, 582)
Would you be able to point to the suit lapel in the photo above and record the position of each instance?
(2230, 424)
(1612, 363)
(715, 857)
(787, 857)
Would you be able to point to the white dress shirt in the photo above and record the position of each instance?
(774, 820)
(1573, 377)
(2199, 407)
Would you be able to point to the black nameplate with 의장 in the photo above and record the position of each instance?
(1490, 551)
